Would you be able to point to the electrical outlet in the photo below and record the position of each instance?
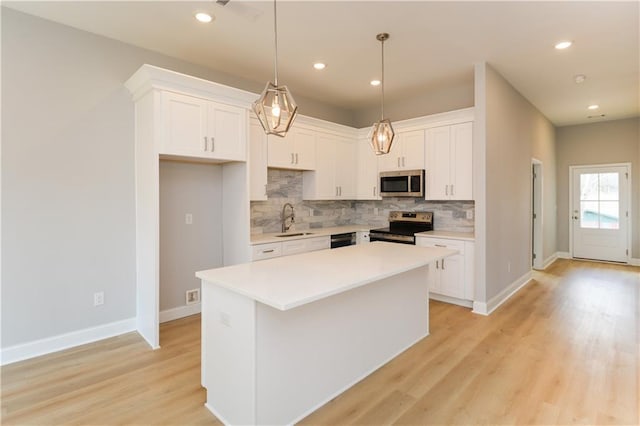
(469, 214)
(192, 296)
(188, 219)
(98, 298)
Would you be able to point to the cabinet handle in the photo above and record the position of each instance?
(443, 264)
(374, 191)
(437, 265)
(441, 245)
(398, 161)
(446, 190)
(292, 158)
(403, 165)
(296, 158)
(205, 143)
(452, 190)
(213, 143)
(336, 191)
(268, 251)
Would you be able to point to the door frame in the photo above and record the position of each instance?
(629, 204)
(537, 233)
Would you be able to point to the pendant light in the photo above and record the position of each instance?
(275, 107)
(381, 136)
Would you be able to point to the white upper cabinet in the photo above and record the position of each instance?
(295, 151)
(195, 127)
(407, 152)
(257, 161)
(335, 173)
(449, 162)
(367, 172)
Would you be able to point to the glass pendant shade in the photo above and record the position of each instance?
(381, 137)
(275, 109)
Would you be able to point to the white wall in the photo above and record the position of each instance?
(194, 188)
(513, 132)
(68, 227)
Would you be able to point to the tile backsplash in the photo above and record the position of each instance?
(285, 186)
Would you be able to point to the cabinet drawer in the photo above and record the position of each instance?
(266, 251)
(294, 247)
(318, 243)
(441, 242)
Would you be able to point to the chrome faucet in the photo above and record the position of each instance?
(291, 216)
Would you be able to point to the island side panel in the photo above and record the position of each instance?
(310, 354)
(228, 354)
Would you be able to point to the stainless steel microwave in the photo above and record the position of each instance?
(402, 183)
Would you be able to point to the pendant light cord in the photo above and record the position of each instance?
(275, 30)
(382, 82)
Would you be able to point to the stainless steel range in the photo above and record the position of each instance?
(403, 226)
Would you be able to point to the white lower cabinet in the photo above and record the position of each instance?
(289, 247)
(453, 276)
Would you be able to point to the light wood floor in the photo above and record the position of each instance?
(564, 350)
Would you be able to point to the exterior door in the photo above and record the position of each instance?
(600, 216)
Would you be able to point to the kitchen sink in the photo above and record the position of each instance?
(297, 234)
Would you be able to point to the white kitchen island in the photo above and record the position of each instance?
(283, 336)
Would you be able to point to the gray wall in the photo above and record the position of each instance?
(515, 131)
(67, 174)
(193, 188)
(447, 97)
(598, 143)
(285, 186)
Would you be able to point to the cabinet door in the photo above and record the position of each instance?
(345, 169)
(412, 150)
(452, 276)
(184, 121)
(226, 132)
(280, 151)
(257, 161)
(304, 149)
(367, 172)
(392, 160)
(323, 179)
(462, 162)
(437, 163)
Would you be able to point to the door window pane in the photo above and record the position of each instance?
(599, 200)
(589, 214)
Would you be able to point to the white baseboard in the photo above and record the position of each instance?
(449, 299)
(483, 308)
(65, 341)
(180, 312)
(563, 255)
(548, 261)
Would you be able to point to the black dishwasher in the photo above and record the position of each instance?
(342, 240)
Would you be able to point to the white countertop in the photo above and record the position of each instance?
(318, 232)
(465, 236)
(287, 282)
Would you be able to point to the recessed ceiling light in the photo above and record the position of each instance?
(375, 82)
(594, 106)
(579, 78)
(563, 45)
(319, 66)
(204, 17)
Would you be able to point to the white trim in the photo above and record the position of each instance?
(65, 341)
(549, 260)
(537, 226)
(180, 312)
(497, 300)
(452, 300)
(634, 262)
(563, 255)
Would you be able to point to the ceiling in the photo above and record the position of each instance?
(432, 44)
